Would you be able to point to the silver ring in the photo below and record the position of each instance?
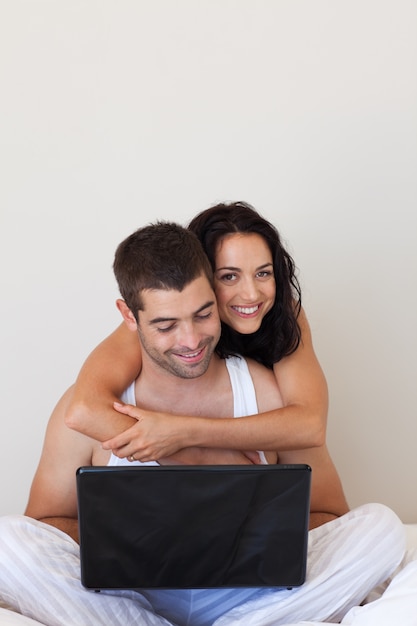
(132, 458)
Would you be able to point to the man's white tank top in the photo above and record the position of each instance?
(244, 400)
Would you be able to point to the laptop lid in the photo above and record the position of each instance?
(193, 526)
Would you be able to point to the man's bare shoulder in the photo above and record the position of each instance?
(53, 492)
(62, 445)
(266, 387)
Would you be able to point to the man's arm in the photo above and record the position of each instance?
(211, 456)
(68, 525)
(327, 497)
(53, 496)
(328, 500)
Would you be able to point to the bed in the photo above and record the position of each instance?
(396, 604)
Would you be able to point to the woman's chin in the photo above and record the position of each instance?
(246, 327)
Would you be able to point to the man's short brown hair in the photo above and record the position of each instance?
(158, 256)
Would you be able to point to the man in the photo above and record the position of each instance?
(165, 281)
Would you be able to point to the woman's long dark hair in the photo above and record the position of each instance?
(279, 334)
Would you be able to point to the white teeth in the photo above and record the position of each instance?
(246, 310)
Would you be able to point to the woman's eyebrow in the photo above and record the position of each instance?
(238, 269)
(228, 267)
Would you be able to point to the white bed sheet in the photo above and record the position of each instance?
(10, 618)
(395, 605)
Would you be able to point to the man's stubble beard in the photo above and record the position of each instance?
(170, 363)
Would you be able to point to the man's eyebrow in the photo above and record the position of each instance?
(159, 320)
(238, 269)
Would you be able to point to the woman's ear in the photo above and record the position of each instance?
(127, 314)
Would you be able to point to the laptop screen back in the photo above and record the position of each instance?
(193, 526)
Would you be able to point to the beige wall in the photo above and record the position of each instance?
(114, 113)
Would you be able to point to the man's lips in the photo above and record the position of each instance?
(190, 357)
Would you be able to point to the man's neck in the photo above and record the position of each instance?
(209, 394)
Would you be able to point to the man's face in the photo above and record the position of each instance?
(180, 330)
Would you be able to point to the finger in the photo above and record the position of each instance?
(120, 453)
(116, 443)
(126, 409)
(253, 456)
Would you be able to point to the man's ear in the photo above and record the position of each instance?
(127, 314)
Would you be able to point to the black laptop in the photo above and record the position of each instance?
(193, 526)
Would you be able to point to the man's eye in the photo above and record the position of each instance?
(165, 329)
(205, 317)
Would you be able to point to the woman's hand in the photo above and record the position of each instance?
(163, 437)
(155, 435)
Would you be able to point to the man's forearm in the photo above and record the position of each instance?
(207, 456)
(68, 525)
(319, 518)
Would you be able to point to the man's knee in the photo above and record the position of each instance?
(11, 525)
(18, 531)
(383, 529)
(379, 517)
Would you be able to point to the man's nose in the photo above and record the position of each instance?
(189, 336)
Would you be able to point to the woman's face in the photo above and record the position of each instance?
(244, 281)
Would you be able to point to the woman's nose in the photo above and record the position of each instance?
(249, 290)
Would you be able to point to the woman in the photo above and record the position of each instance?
(259, 302)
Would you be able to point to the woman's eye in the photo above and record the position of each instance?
(264, 274)
(228, 277)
